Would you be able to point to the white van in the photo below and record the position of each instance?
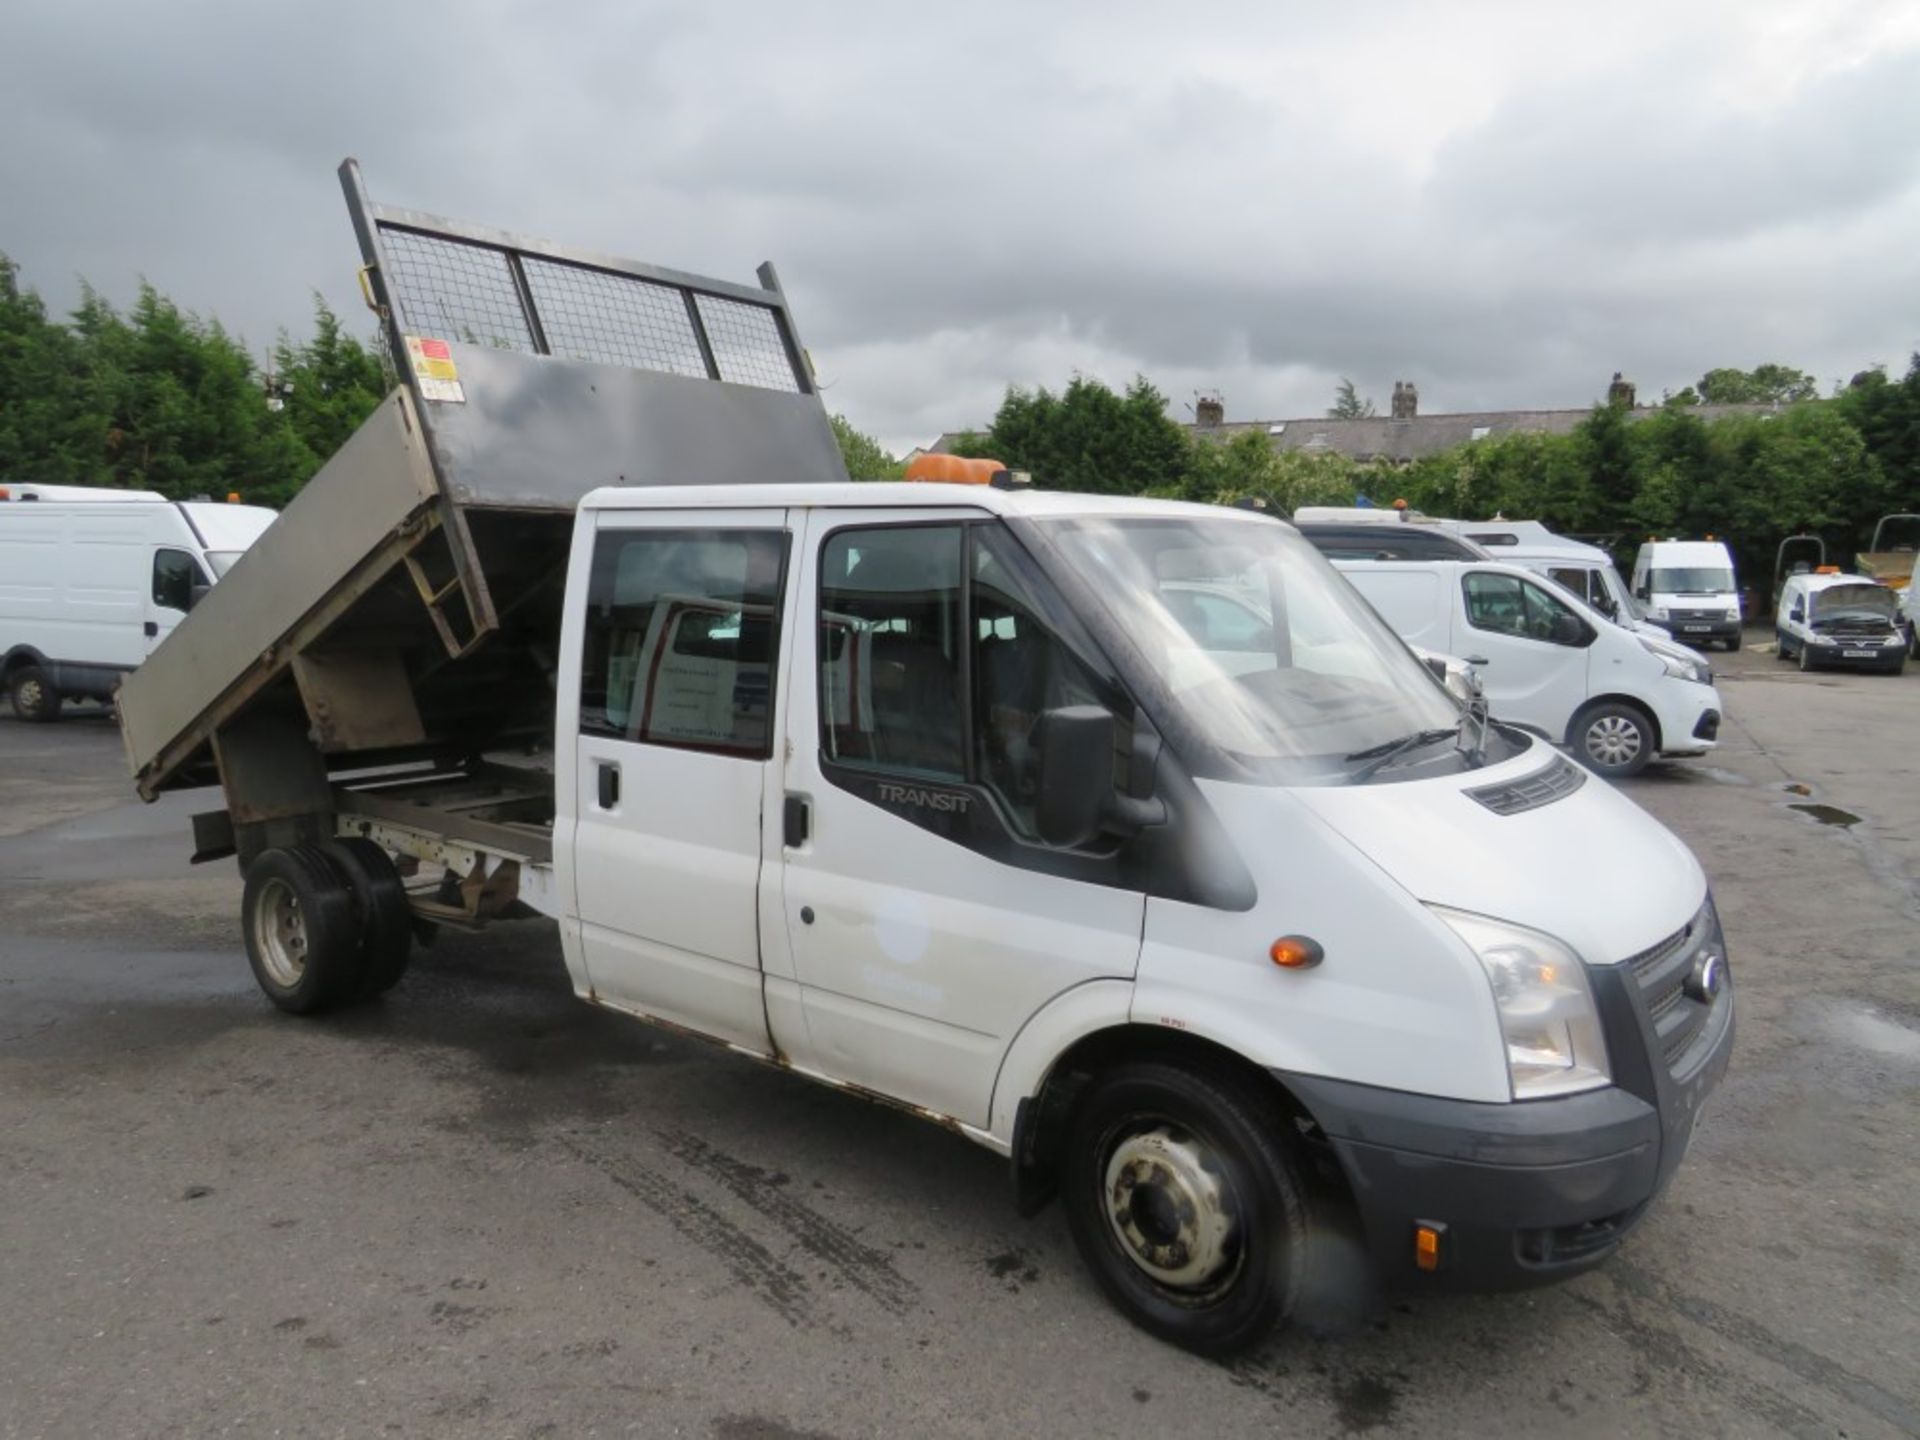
(92, 579)
(1548, 661)
(1686, 587)
(1586, 570)
(1844, 622)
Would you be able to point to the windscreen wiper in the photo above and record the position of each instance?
(1380, 756)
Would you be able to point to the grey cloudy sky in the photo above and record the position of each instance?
(1503, 202)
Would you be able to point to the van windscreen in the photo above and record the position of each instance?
(1693, 580)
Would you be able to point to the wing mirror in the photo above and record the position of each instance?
(1078, 800)
(1567, 630)
(196, 592)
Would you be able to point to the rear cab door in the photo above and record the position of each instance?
(664, 745)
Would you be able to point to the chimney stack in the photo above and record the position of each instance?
(1406, 400)
(1621, 392)
(1209, 412)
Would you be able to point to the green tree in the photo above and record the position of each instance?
(1763, 385)
(327, 385)
(864, 457)
(1347, 403)
(1246, 466)
(1087, 438)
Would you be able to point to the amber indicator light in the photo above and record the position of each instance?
(1426, 1245)
(1296, 952)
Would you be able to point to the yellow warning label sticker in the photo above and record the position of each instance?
(434, 370)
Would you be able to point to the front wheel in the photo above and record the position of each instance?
(1780, 650)
(1187, 1206)
(1613, 740)
(1806, 658)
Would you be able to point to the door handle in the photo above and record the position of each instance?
(609, 778)
(152, 627)
(1476, 659)
(796, 821)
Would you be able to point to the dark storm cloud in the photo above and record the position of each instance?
(1502, 203)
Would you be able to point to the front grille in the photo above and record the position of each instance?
(1559, 780)
(1676, 1017)
(1696, 617)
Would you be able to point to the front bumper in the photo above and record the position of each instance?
(1694, 631)
(1833, 656)
(1533, 1191)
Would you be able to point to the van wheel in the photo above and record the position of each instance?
(380, 910)
(1613, 740)
(32, 694)
(1186, 1205)
(297, 913)
(1780, 651)
(1806, 658)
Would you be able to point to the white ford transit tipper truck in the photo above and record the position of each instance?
(1213, 920)
(93, 579)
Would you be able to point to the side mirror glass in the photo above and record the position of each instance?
(1076, 774)
(1567, 630)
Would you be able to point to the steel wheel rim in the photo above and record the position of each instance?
(280, 933)
(30, 694)
(1613, 740)
(1171, 1211)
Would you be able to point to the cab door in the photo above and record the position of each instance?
(926, 921)
(1530, 647)
(672, 745)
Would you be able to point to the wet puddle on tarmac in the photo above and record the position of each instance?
(1828, 814)
(1866, 1028)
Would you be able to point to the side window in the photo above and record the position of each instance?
(1547, 616)
(890, 649)
(1573, 578)
(175, 573)
(1494, 602)
(1021, 669)
(681, 632)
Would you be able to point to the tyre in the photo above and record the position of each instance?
(380, 910)
(303, 940)
(1806, 658)
(1733, 645)
(1187, 1204)
(1613, 740)
(1780, 650)
(32, 694)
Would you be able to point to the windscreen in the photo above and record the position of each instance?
(1266, 649)
(1693, 580)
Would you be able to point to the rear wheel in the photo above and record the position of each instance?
(32, 694)
(303, 941)
(1187, 1204)
(381, 912)
(1613, 740)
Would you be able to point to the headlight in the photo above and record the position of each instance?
(1547, 1015)
(1681, 667)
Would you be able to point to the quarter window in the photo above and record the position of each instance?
(681, 630)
